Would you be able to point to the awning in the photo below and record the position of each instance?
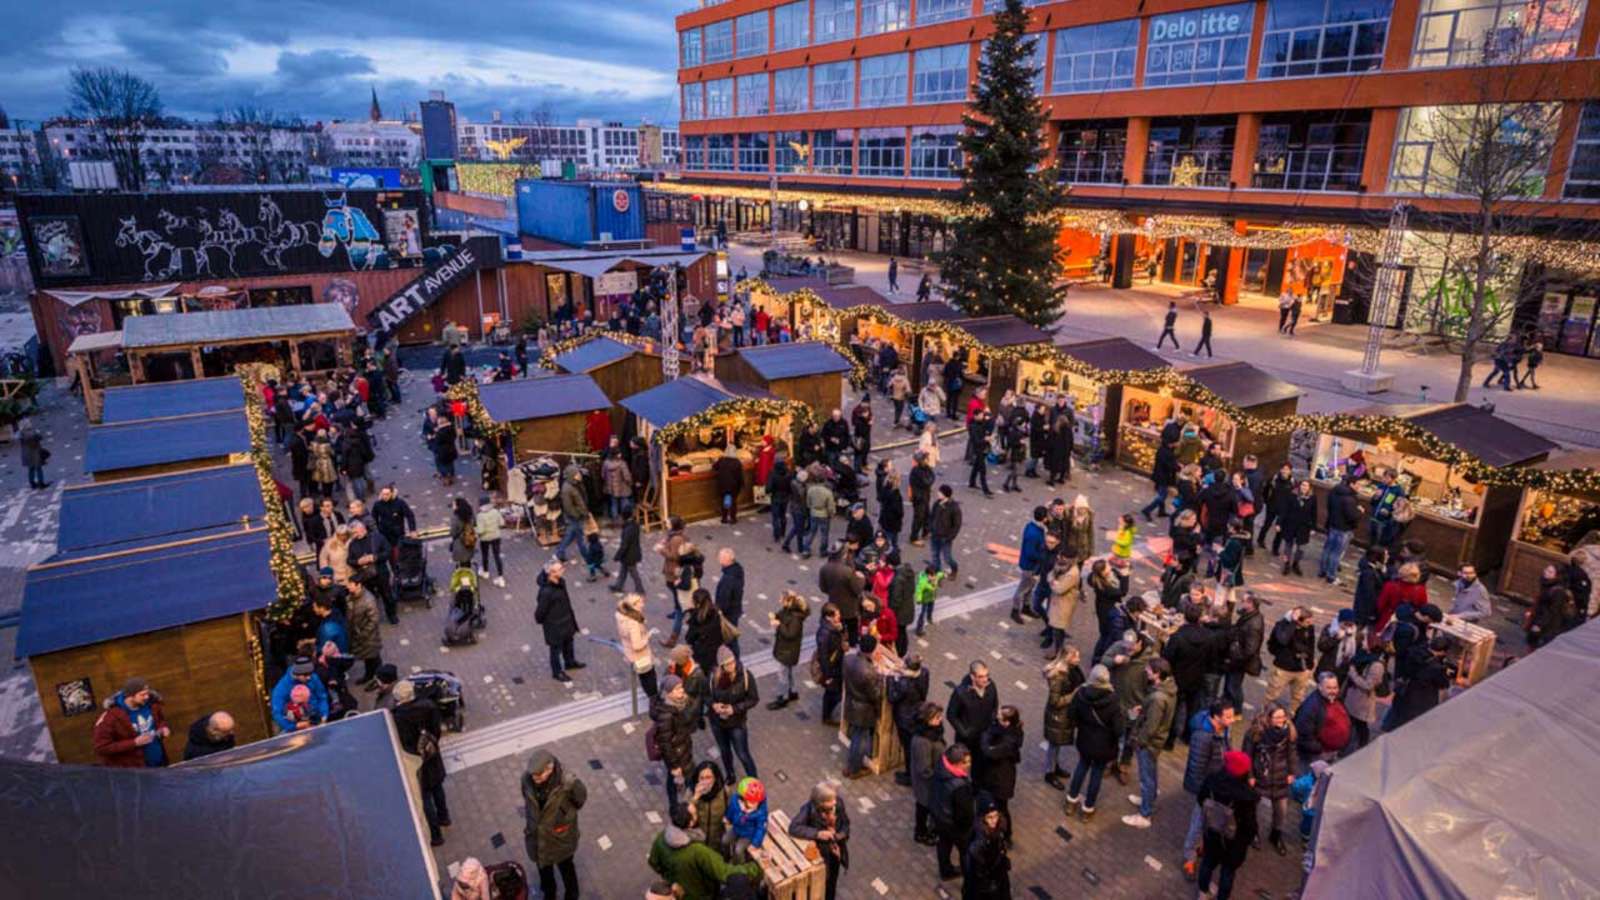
(1003, 331)
(77, 603)
(153, 292)
(1493, 440)
(791, 284)
(683, 397)
(171, 398)
(150, 442)
(182, 505)
(100, 340)
(794, 360)
(521, 399)
(319, 813)
(594, 354)
(232, 325)
(1242, 384)
(588, 268)
(1114, 354)
(682, 259)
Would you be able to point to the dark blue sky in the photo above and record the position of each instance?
(613, 59)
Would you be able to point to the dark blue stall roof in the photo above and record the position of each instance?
(334, 800)
(924, 312)
(169, 507)
(150, 442)
(683, 397)
(537, 398)
(1003, 331)
(172, 398)
(77, 603)
(795, 360)
(594, 354)
(1114, 354)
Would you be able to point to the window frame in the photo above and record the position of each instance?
(825, 158)
(948, 11)
(698, 91)
(805, 95)
(946, 157)
(849, 85)
(884, 16)
(1590, 185)
(764, 108)
(1423, 59)
(1171, 49)
(1320, 63)
(714, 92)
(880, 168)
(706, 44)
(954, 93)
(684, 57)
(746, 161)
(780, 26)
(884, 80)
(838, 11)
(1058, 84)
(743, 49)
(716, 152)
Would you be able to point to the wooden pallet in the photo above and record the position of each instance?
(792, 866)
(1471, 646)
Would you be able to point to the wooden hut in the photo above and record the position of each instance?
(829, 317)
(172, 609)
(172, 444)
(177, 398)
(1460, 521)
(1039, 380)
(808, 371)
(775, 295)
(904, 325)
(1253, 391)
(990, 371)
(303, 338)
(1553, 528)
(552, 413)
(620, 369)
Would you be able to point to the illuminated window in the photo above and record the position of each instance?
(1201, 46)
(1482, 32)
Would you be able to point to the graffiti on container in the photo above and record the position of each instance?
(348, 225)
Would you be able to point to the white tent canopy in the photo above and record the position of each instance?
(78, 298)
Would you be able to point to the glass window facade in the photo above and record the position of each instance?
(791, 25)
(789, 90)
(1312, 151)
(785, 156)
(883, 152)
(1583, 175)
(694, 102)
(882, 16)
(753, 95)
(883, 80)
(939, 74)
(689, 47)
(931, 11)
(694, 153)
(934, 151)
(1483, 32)
(1202, 46)
(753, 149)
(833, 152)
(1323, 37)
(719, 41)
(1190, 151)
(752, 33)
(1437, 149)
(1092, 152)
(719, 152)
(1095, 57)
(719, 98)
(833, 85)
(833, 20)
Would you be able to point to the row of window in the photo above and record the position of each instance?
(932, 75)
(1204, 46)
(921, 152)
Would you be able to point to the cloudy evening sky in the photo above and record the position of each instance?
(589, 58)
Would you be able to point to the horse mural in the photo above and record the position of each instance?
(162, 259)
(280, 234)
(348, 225)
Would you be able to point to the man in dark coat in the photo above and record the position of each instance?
(1001, 749)
(730, 592)
(1192, 651)
(300, 461)
(843, 587)
(921, 482)
(1430, 676)
(393, 516)
(1242, 655)
(369, 558)
(210, 734)
(1163, 475)
(972, 707)
(554, 613)
(780, 485)
(628, 555)
(729, 475)
(907, 693)
(1275, 499)
(863, 694)
(830, 646)
(945, 528)
(419, 724)
(551, 800)
(953, 805)
(835, 437)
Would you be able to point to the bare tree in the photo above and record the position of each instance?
(118, 107)
(254, 126)
(544, 138)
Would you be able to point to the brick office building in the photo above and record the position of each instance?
(1255, 114)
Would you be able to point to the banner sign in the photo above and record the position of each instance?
(457, 263)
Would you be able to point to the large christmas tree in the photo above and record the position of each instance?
(1003, 256)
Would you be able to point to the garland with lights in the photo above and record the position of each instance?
(280, 535)
(547, 359)
(466, 391)
(745, 407)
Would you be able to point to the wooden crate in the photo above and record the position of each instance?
(1472, 646)
(887, 755)
(792, 866)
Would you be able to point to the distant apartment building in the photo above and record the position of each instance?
(587, 143)
(392, 144)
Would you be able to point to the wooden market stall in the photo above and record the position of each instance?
(172, 444)
(1007, 333)
(621, 369)
(93, 364)
(909, 327)
(723, 417)
(1098, 405)
(175, 506)
(302, 338)
(1460, 520)
(826, 313)
(808, 371)
(178, 398)
(550, 413)
(1253, 391)
(171, 609)
(775, 295)
(1554, 527)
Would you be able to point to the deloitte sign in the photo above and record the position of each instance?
(1202, 24)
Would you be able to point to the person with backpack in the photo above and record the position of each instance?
(1227, 801)
(1242, 648)
(1293, 645)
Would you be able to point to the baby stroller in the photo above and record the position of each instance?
(466, 615)
(919, 419)
(507, 881)
(446, 692)
(411, 578)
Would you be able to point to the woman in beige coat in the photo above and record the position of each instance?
(335, 554)
(929, 444)
(1066, 586)
(635, 640)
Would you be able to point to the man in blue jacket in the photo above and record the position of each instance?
(302, 672)
(1028, 563)
(1208, 740)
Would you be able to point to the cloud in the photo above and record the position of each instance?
(176, 54)
(320, 65)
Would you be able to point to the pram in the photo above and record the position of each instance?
(466, 616)
(446, 692)
(507, 881)
(411, 578)
(919, 419)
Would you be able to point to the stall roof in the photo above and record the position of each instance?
(171, 398)
(1571, 459)
(1242, 384)
(924, 312)
(1004, 331)
(794, 360)
(795, 283)
(683, 397)
(74, 603)
(170, 507)
(521, 399)
(100, 340)
(1485, 435)
(150, 442)
(319, 813)
(1114, 354)
(848, 295)
(1452, 806)
(594, 354)
(594, 263)
(232, 325)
